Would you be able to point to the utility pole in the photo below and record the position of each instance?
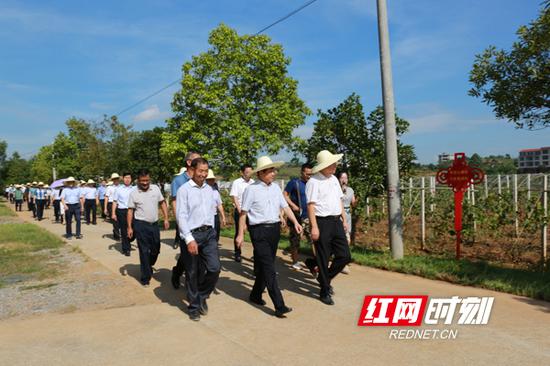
(54, 173)
(395, 214)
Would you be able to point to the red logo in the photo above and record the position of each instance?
(390, 310)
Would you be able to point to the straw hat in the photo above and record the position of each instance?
(264, 162)
(115, 176)
(211, 174)
(325, 159)
(34, 183)
(182, 170)
(68, 180)
(46, 186)
(40, 183)
(109, 183)
(91, 181)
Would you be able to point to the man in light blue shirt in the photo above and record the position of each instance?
(262, 203)
(119, 211)
(72, 200)
(195, 216)
(101, 195)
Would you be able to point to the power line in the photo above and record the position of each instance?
(297, 10)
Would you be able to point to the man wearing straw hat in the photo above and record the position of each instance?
(18, 197)
(91, 199)
(328, 221)
(119, 210)
(237, 188)
(262, 202)
(72, 201)
(40, 199)
(195, 203)
(32, 200)
(108, 203)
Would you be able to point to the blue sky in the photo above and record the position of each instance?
(86, 59)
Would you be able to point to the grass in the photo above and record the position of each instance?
(4, 210)
(25, 250)
(463, 272)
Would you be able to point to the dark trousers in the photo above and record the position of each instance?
(332, 240)
(32, 206)
(203, 270)
(265, 240)
(236, 220)
(122, 218)
(90, 207)
(57, 210)
(48, 202)
(116, 227)
(148, 241)
(18, 205)
(73, 210)
(40, 204)
(102, 203)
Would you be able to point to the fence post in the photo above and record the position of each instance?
(544, 226)
(368, 208)
(516, 220)
(422, 214)
(507, 183)
(499, 185)
(410, 190)
(485, 179)
(528, 187)
(432, 192)
(473, 205)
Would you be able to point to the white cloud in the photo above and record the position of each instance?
(150, 113)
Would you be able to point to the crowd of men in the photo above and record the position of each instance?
(315, 206)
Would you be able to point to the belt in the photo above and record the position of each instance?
(72, 204)
(334, 217)
(273, 224)
(201, 229)
(122, 209)
(145, 222)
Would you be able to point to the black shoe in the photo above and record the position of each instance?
(68, 236)
(195, 316)
(238, 258)
(280, 313)
(126, 253)
(203, 310)
(79, 236)
(145, 283)
(260, 301)
(175, 279)
(326, 300)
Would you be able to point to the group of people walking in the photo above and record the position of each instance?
(316, 206)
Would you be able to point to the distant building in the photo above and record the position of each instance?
(444, 158)
(534, 160)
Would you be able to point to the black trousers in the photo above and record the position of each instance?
(332, 240)
(32, 206)
(102, 203)
(57, 210)
(217, 227)
(40, 204)
(116, 227)
(18, 205)
(90, 208)
(236, 220)
(265, 240)
(203, 270)
(121, 215)
(73, 210)
(148, 241)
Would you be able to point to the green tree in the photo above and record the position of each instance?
(65, 157)
(145, 153)
(3, 156)
(476, 160)
(236, 100)
(18, 170)
(116, 140)
(41, 164)
(517, 83)
(345, 130)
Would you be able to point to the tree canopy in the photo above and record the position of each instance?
(516, 83)
(345, 129)
(236, 100)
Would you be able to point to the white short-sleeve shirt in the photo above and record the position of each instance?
(238, 187)
(263, 203)
(326, 193)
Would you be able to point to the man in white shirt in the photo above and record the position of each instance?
(56, 197)
(91, 200)
(237, 189)
(108, 203)
(195, 207)
(262, 202)
(119, 211)
(72, 200)
(328, 222)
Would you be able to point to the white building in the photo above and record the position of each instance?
(534, 160)
(445, 157)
